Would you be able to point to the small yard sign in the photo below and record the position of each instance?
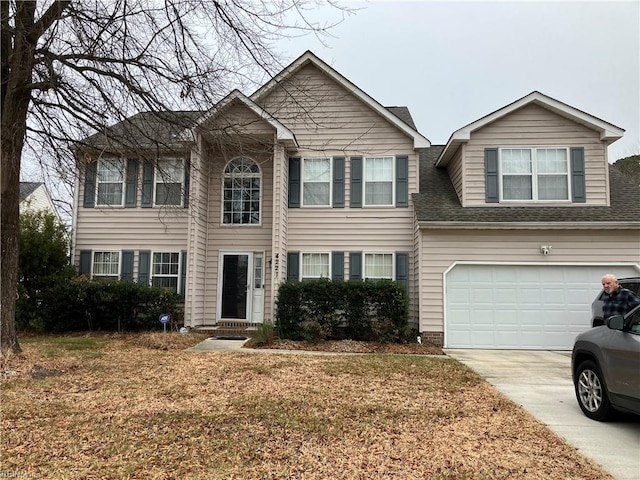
(164, 319)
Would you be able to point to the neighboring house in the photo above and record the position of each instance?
(35, 197)
(310, 177)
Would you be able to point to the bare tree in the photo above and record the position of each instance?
(71, 68)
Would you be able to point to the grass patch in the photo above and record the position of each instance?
(140, 412)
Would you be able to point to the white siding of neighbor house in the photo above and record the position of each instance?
(38, 201)
(532, 126)
(440, 249)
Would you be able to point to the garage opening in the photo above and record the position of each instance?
(526, 307)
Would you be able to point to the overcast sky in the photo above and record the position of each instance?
(454, 62)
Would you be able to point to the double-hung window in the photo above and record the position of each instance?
(169, 182)
(105, 265)
(165, 270)
(110, 180)
(534, 174)
(241, 192)
(315, 266)
(378, 266)
(316, 182)
(378, 181)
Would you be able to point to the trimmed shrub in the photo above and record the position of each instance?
(326, 310)
(83, 304)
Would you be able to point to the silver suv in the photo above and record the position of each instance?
(632, 283)
(605, 366)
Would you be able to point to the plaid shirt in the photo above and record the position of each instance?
(620, 302)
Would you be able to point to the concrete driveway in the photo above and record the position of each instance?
(540, 381)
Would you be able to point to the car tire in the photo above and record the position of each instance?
(591, 392)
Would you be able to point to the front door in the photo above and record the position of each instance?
(235, 285)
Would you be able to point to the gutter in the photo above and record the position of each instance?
(469, 225)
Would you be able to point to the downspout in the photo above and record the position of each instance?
(74, 218)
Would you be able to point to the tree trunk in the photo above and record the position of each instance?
(16, 81)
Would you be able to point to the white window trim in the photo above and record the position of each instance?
(98, 182)
(157, 176)
(151, 275)
(364, 264)
(302, 182)
(115, 277)
(260, 196)
(302, 254)
(534, 173)
(393, 181)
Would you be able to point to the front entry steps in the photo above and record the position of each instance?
(229, 329)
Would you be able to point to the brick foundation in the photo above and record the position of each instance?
(434, 338)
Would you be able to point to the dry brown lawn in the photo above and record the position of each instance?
(140, 407)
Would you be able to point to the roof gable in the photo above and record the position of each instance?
(394, 115)
(282, 132)
(608, 132)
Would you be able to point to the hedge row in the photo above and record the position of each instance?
(83, 304)
(327, 310)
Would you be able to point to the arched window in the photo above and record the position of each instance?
(241, 192)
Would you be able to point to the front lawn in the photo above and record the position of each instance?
(138, 406)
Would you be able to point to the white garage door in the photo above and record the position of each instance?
(520, 306)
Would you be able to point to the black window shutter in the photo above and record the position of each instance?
(131, 189)
(147, 184)
(492, 195)
(85, 262)
(126, 272)
(144, 266)
(356, 182)
(355, 266)
(187, 182)
(293, 266)
(402, 181)
(338, 182)
(578, 192)
(294, 182)
(337, 265)
(91, 170)
(402, 269)
(183, 273)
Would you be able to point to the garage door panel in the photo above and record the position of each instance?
(521, 306)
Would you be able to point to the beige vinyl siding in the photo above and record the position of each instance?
(326, 117)
(236, 238)
(276, 274)
(440, 249)
(239, 119)
(456, 172)
(532, 126)
(197, 241)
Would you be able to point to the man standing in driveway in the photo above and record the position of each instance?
(618, 300)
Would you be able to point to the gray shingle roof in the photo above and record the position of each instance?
(27, 188)
(438, 203)
(403, 114)
(144, 130)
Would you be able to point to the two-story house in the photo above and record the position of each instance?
(500, 237)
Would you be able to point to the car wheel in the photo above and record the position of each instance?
(591, 392)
